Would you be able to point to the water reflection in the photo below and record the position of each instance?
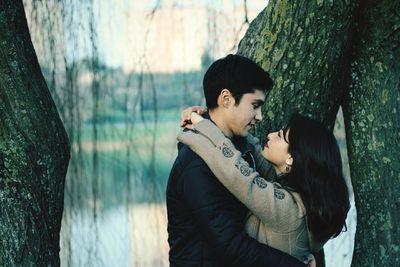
(126, 236)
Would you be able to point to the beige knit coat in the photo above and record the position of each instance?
(277, 216)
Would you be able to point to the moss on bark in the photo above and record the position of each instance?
(301, 44)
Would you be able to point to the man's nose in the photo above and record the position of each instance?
(258, 116)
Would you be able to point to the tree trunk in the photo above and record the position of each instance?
(34, 150)
(301, 44)
(372, 121)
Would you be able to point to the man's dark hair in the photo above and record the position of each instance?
(238, 74)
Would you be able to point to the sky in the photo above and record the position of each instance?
(169, 36)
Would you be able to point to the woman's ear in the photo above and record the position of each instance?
(289, 160)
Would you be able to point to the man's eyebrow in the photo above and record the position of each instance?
(258, 102)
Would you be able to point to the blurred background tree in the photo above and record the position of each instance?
(119, 73)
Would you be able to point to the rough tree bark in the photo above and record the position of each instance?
(372, 119)
(34, 150)
(323, 54)
(301, 44)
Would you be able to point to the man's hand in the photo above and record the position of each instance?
(191, 116)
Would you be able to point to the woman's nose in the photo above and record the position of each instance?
(272, 135)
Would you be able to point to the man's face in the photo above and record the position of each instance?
(242, 117)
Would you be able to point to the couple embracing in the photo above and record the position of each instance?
(232, 202)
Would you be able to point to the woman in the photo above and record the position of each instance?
(304, 204)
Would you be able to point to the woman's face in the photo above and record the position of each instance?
(276, 151)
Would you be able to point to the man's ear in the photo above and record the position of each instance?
(225, 98)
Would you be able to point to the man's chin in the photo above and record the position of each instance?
(244, 134)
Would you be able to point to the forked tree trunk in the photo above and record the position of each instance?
(323, 54)
(34, 150)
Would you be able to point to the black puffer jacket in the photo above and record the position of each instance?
(206, 222)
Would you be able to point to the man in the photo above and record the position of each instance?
(205, 221)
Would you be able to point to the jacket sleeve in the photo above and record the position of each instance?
(272, 204)
(264, 168)
(215, 212)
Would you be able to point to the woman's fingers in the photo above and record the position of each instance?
(195, 118)
(187, 113)
(201, 110)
